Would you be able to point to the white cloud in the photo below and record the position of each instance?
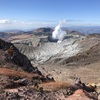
(6, 24)
(15, 24)
(4, 21)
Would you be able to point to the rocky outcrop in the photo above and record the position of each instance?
(61, 92)
(12, 54)
(15, 66)
(81, 95)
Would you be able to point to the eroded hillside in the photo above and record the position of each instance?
(20, 80)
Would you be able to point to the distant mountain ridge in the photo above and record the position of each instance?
(84, 29)
(48, 31)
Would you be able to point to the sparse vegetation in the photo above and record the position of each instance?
(53, 79)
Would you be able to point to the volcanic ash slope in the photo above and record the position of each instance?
(51, 50)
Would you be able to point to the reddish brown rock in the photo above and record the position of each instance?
(81, 95)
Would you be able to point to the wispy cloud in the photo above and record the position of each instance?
(4, 21)
(15, 24)
(31, 24)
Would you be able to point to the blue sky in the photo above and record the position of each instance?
(28, 14)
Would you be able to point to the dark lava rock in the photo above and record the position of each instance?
(12, 54)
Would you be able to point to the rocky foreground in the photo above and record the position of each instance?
(53, 78)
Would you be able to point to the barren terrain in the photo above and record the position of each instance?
(36, 67)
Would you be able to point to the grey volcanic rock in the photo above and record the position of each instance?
(51, 50)
(33, 41)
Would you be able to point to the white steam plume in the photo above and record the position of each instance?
(58, 33)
